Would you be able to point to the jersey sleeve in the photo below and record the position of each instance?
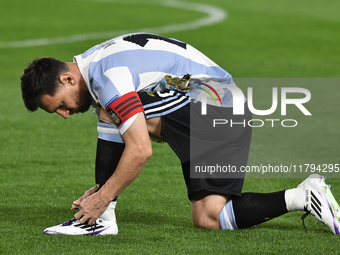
(116, 92)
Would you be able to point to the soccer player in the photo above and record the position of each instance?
(144, 85)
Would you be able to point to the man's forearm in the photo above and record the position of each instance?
(129, 167)
(137, 151)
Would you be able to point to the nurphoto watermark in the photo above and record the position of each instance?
(285, 113)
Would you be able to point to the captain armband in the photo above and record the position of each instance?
(124, 107)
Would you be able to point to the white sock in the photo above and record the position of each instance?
(109, 213)
(294, 199)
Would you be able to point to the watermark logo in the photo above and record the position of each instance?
(238, 100)
(230, 95)
(202, 87)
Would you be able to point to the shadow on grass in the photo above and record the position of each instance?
(42, 216)
(34, 215)
(153, 219)
(37, 218)
(312, 226)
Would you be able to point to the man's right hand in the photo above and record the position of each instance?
(87, 193)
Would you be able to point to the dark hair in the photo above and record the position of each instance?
(39, 78)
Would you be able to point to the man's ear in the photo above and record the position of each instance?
(67, 79)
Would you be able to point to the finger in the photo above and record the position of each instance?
(85, 220)
(91, 221)
(76, 203)
(74, 206)
(89, 193)
(93, 218)
(78, 215)
(86, 195)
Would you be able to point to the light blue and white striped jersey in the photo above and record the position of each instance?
(138, 61)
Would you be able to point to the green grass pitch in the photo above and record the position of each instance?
(47, 162)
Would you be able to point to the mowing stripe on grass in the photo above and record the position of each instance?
(215, 15)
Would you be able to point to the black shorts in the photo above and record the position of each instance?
(183, 137)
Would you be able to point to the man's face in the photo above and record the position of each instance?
(67, 101)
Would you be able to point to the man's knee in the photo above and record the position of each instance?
(206, 209)
(204, 220)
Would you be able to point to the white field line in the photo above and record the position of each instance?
(215, 15)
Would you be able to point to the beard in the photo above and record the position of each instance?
(84, 100)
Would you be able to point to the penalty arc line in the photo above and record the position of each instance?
(215, 15)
